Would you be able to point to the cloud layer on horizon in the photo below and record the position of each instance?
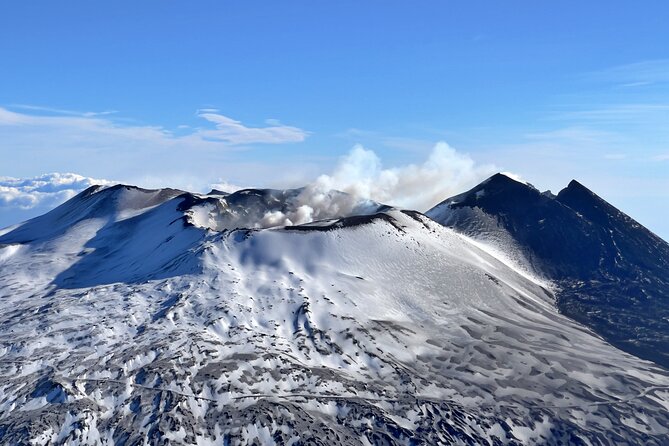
(24, 198)
(360, 174)
(44, 190)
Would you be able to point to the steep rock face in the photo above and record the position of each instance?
(613, 273)
(380, 328)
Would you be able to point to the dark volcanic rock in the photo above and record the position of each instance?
(613, 273)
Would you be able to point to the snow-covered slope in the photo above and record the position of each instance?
(148, 323)
(610, 272)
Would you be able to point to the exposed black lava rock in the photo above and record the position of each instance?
(613, 273)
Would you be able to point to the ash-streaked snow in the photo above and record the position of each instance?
(609, 272)
(132, 317)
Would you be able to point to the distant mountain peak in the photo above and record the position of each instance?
(502, 180)
(506, 179)
(503, 177)
(576, 188)
(218, 192)
(612, 271)
(498, 191)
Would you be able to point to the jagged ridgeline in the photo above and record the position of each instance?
(131, 316)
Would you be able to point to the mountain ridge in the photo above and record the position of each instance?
(150, 325)
(612, 272)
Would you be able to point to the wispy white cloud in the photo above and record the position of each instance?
(234, 132)
(580, 135)
(636, 74)
(630, 99)
(61, 111)
(32, 142)
(617, 113)
(227, 130)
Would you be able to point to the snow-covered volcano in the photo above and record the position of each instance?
(611, 273)
(130, 317)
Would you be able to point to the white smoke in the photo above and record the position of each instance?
(225, 186)
(362, 177)
(360, 174)
(303, 214)
(415, 186)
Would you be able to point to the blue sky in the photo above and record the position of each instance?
(189, 94)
